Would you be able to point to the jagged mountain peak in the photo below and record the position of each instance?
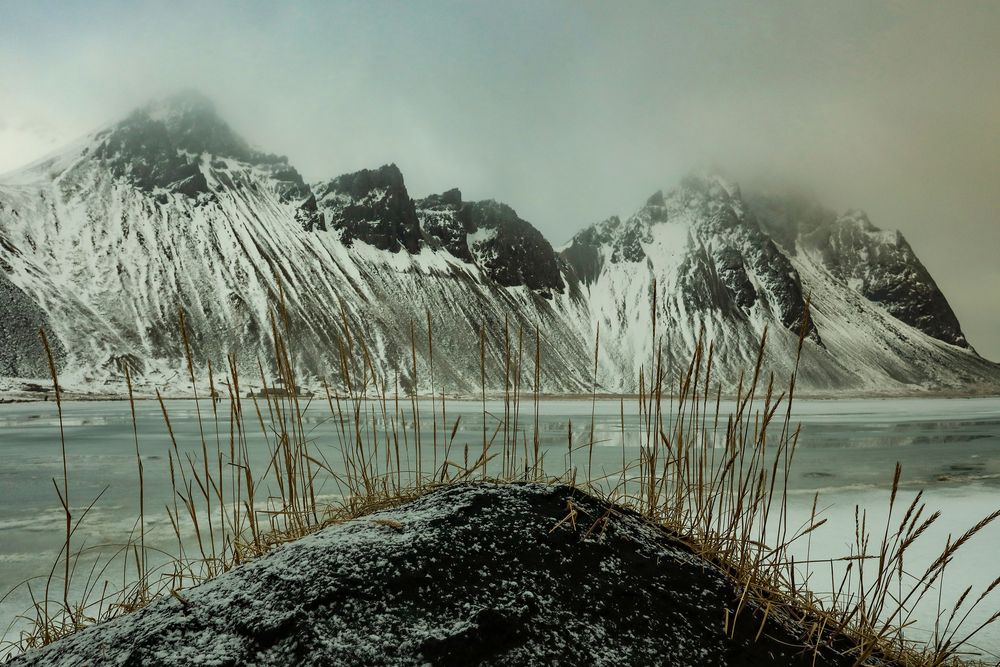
(184, 122)
(700, 199)
(711, 183)
(706, 202)
(700, 241)
(493, 236)
(859, 218)
(656, 199)
(179, 146)
(449, 199)
(879, 264)
(363, 182)
(371, 205)
(152, 144)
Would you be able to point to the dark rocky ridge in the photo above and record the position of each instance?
(468, 575)
(180, 144)
(517, 253)
(890, 274)
(21, 351)
(625, 240)
(439, 216)
(164, 209)
(371, 205)
(510, 251)
(161, 148)
(880, 265)
(374, 206)
(729, 253)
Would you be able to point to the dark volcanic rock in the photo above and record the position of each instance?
(511, 250)
(732, 270)
(786, 293)
(885, 270)
(163, 147)
(624, 239)
(469, 575)
(508, 249)
(141, 151)
(170, 207)
(729, 266)
(880, 265)
(371, 205)
(21, 351)
(629, 246)
(584, 256)
(440, 221)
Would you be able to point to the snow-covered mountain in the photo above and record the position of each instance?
(731, 265)
(169, 210)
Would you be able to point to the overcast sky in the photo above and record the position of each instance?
(568, 111)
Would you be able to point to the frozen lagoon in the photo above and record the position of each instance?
(847, 452)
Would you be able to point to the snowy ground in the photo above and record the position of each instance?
(950, 447)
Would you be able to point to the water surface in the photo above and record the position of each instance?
(848, 449)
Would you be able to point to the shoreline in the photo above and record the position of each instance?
(525, 398)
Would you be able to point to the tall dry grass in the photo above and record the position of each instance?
(718, 482)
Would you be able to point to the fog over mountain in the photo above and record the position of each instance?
(571, 112)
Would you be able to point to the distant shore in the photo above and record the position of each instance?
(39, 395)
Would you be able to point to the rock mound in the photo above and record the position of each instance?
(466, 575)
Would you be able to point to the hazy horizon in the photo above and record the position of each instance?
(570, 112)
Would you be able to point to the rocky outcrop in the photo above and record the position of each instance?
(470, 575)
(440, 221)
(491, 235)
(729, 265)
(878, 264)
(510, 249)
(180, 146)
(882, 267)
(371, 205)
(22, 353)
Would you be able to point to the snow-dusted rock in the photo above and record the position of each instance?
(479, 574)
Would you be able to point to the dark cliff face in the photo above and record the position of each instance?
(174, 146)
(510, 250)
(371, 205)
(23, 355)
(140, 150)
(729, 264)
(749, 263)
(880, 265)
(883, 267)
(440, 221)
(624, 239)
(583, 255)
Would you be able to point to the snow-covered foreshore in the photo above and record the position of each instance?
(29, 390)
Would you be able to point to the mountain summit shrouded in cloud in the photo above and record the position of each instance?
(171, 208)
